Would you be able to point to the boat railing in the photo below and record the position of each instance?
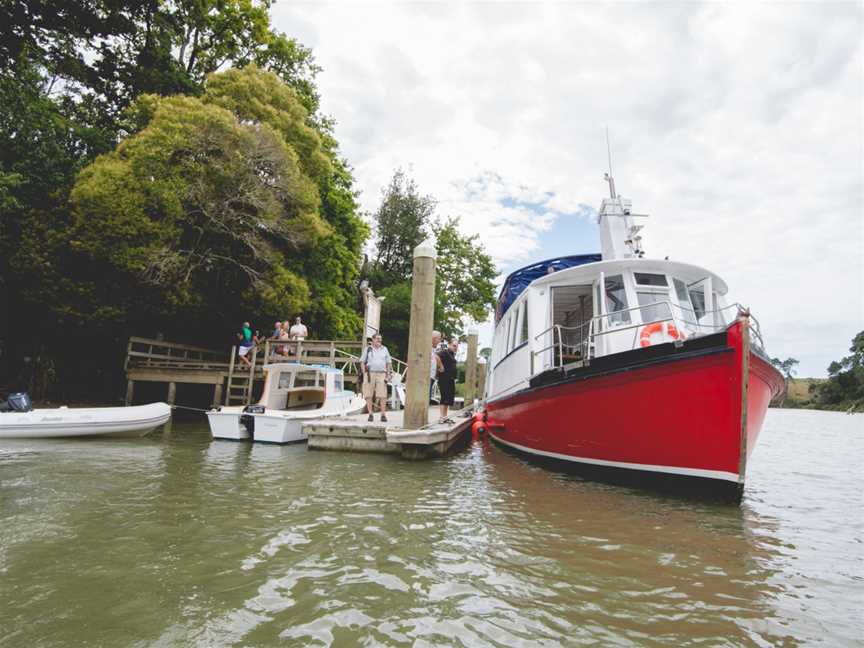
(574, 345)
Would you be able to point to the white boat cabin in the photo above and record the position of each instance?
(296, 386)
(565, 311)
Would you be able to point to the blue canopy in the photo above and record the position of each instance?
(520, 279)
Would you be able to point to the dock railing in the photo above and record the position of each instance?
(146, 352)
(157, 360)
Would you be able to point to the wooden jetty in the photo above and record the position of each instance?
(234, 383)
(407, 432)
(356, 433)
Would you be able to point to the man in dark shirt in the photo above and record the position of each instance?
(447, 378)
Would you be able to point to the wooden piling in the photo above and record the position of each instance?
(481, 378)
(420, 336)
(471, 369)
(130, 388)
(172, 393)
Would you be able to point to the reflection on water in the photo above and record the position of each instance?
(177, 541)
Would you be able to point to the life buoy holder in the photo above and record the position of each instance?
(667, 328)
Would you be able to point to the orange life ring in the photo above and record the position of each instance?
(659, 327)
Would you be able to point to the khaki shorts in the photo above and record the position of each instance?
(375, 387)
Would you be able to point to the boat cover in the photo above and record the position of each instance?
(520, 279)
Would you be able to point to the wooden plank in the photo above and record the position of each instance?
(175, 345)
(230, 374)
(156, 374)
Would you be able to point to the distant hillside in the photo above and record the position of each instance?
(800, 396)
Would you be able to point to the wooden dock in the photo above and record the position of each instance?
(234, 383)
(356, 434)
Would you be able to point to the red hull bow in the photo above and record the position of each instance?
(689, 413)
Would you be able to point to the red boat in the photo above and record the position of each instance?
(676, 385)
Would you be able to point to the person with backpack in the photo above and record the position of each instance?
(377, 369)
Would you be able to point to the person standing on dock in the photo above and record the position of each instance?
(435, 366)
(447, 378)
(377, 370)
(247, 341)
(299, 331)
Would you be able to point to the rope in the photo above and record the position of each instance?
(193, 409)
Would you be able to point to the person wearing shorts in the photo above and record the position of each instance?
(247, 342)
(447, 379)
(377, 369)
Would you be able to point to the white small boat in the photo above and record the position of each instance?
(294, 393)
(83, 422)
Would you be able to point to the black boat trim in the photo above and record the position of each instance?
(626, 361)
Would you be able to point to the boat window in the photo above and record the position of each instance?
(515, 323)
(684, 300)
(337, 383)
(697, 298)
(616, 300)
(655, 306)
(306, 379)
(284, 380)
(507, 337)
(646, 279)
(523, 333)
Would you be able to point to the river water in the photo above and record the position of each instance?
(173, 540)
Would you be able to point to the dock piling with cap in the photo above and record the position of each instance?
(420, 336)
(407, 432)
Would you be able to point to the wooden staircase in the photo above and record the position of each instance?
(241, 378)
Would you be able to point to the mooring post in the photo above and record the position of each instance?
(481, 377)
(471, 369)
(217, 393)
(172, 393)
(130, 388)
(420, 337)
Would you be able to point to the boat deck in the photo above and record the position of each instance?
(355, 433)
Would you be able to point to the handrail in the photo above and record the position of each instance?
(585, 342)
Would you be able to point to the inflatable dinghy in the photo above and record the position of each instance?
(19, 421)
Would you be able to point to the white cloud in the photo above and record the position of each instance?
(738, 127)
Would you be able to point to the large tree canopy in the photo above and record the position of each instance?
(226, 194)
(107, 52)
(212, 201)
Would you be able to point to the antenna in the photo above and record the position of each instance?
(609, 177)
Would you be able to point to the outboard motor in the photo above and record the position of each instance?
(17, 402)
(248, 421)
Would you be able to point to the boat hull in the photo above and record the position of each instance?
(274, 426)
(693, 410)
(84, 422)
(235, 426)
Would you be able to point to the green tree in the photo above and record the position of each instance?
(844, 388)
(465, 278)
(402, 222)
(194, 210)
(465, 275)
(105, 53)
(788, 368)
(331, 266)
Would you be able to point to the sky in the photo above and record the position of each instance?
(736, 126)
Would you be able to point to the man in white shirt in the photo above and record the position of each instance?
(298, 330)
(377, 370)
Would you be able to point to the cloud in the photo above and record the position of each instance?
(737, 126)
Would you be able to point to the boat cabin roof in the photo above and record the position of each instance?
(520, 279)
(299, 366)
(586, 267)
